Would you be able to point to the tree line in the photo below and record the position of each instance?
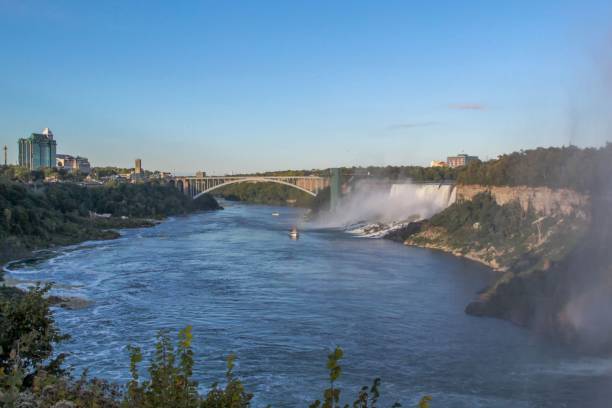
(60, 213)
(583, 170)
(265, 193)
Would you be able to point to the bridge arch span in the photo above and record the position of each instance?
(254, 180)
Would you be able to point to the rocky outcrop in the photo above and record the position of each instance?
(69, 302)
(554, 248)
(552, 222)
(405, 232)
(437, 238)
(543, 200)
(557, 264)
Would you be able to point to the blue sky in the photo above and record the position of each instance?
(263, 85)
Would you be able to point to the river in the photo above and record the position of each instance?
(281, 305)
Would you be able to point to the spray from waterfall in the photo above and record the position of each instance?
(388, 205)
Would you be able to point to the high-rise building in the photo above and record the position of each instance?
(138, 166)
(38, 150)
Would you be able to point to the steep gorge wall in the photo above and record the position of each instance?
(543, 200)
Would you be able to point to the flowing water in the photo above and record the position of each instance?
(281, 305)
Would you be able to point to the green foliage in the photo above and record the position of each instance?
(424, 402)
(265, 193)
(394, 173)
(366, 398)
(288, 173)
(24, 175)
(170, 383)
(11, 379)
(507, 234)
(27, 326)
(58, 213)
(170, 373)
(84, 392)
(232, 396)
(99, 172)
(482, 219)
(331, 396)
(144, 200)
(584, 170)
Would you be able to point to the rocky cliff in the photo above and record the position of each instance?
(507, 227)
(533, 236)
(542, 200)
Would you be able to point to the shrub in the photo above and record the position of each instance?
(27, 328)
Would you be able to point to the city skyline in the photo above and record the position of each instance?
(246, 88)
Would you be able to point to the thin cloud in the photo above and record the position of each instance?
(411, 125)
(467, 106)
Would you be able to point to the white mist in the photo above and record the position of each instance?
(379, 208)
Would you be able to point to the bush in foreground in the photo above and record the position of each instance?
(170, 384)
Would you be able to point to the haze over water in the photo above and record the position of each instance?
(282, 305)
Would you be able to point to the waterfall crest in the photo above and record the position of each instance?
(430, 198)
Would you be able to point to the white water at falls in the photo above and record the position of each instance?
(409, 202)
(428, 198)
(374, 211)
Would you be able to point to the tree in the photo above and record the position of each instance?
(27, 326)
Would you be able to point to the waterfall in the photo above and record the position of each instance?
(373, 210)
(429, 198)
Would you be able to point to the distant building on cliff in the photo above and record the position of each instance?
(73, 164)
(38, 151)
(138, 166)
(138, 174)
(438, 163)
(461, 160)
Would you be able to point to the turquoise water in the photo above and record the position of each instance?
(281, 305)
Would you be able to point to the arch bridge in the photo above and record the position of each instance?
(195, 186)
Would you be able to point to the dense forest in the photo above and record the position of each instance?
(25, 175)
(109, 171)
(265, 193)
(584, 170)
(400, 173)
(42, 215)
(416, 173)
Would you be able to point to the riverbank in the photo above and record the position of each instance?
(52, 215)
(98, 229)
(429, 238)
